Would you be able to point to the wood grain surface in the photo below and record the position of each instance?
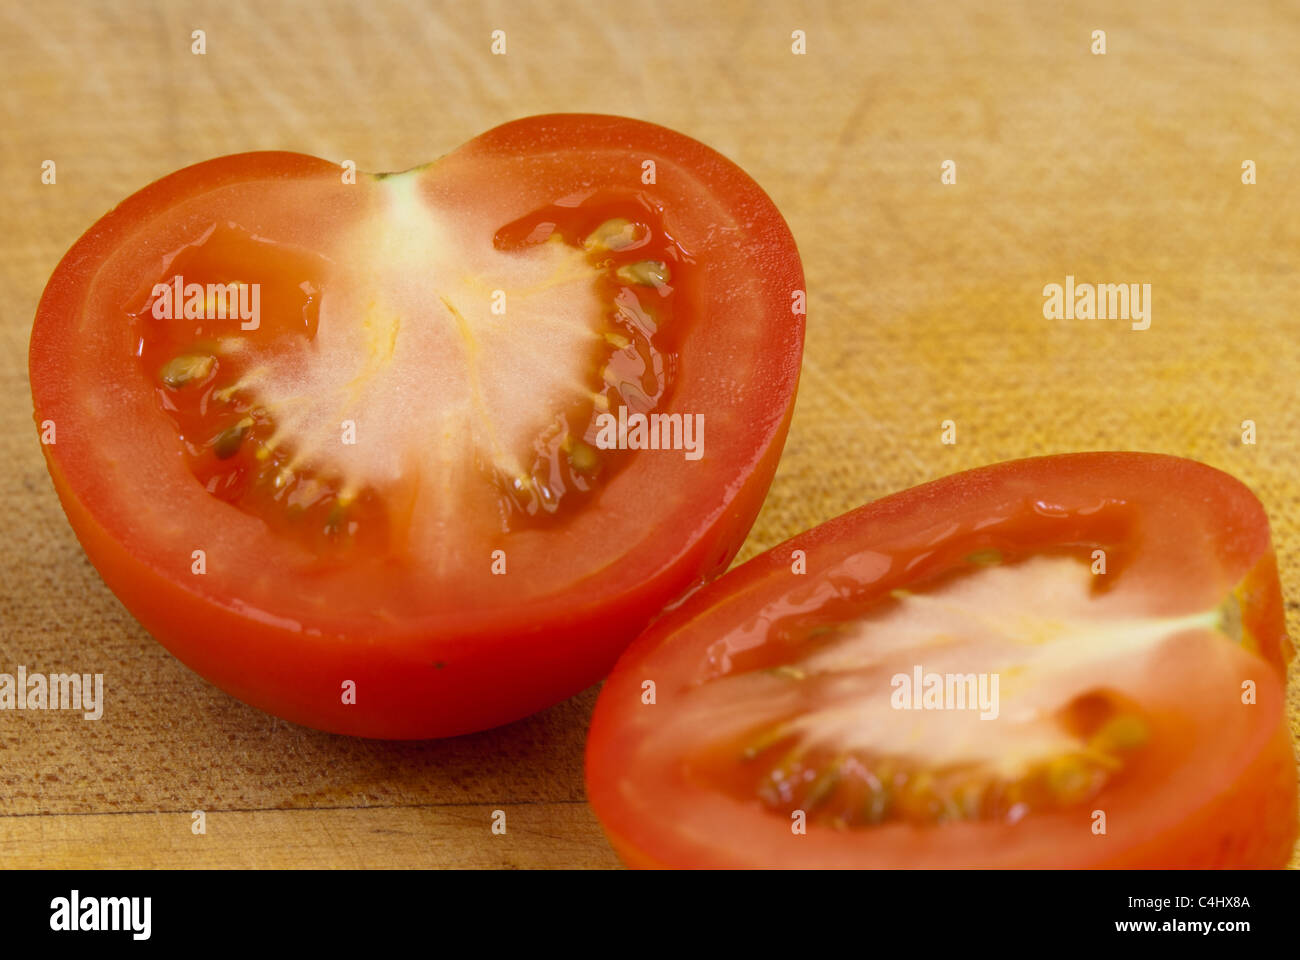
(925, 304)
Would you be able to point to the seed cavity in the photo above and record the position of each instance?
(853, 789)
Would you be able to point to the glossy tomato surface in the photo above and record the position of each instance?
(364, 450)
(1070, 661)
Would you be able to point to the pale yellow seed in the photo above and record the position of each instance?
(647, 273)
(583, 458)
(181, 370)
(616, 234)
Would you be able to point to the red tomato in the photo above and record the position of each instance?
(351, 450)
(1071, 661)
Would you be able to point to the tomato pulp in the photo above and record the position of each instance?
(1070, 661)
(413, 455)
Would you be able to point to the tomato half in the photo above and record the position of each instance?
(364, 450)
(1070, 661)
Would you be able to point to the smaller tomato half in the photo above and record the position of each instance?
(416, 454)
(1070, 661)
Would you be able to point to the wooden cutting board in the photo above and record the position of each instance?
(925, 305)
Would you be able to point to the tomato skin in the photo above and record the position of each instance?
(1245, 809)
(453, 671)
(478, 682)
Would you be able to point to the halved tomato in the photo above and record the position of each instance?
(1071, 661)
(413, 455)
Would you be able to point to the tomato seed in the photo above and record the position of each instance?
(646, 273)
(582, 457)
(228, 441)
(616, 234)
(178, 371)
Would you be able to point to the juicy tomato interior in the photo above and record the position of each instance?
(982, 689)
(312, 428)
(261, 412)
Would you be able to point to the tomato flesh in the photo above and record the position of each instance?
(1071, 661)
(396, 473)
(510, 403)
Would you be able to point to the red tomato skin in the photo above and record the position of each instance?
(449, 675)
(1247, 821)
(502, 677)
(1250, 825)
